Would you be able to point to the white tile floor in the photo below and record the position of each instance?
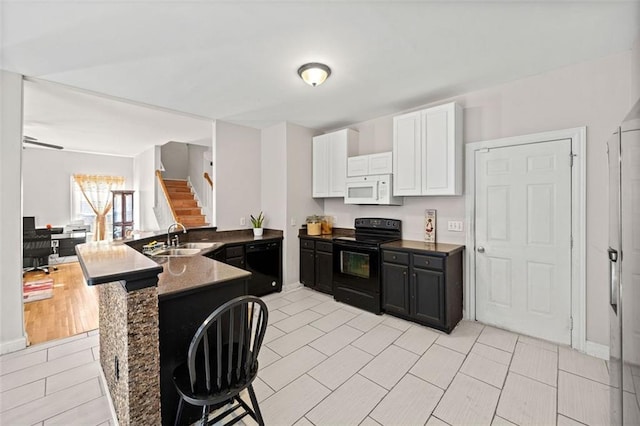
(326, 363)
(54, 383)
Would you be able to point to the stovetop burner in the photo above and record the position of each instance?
(374, 231)
(371, 240)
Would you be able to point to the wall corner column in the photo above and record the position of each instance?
(12, 335)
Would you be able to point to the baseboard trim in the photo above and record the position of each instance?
(13, 345)
(597, 350)
(291, 286)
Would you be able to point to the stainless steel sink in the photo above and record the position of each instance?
(199, 246)
(172, 252)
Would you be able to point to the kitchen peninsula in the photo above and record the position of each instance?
(150, 309)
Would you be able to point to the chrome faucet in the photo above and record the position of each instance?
(176, 240)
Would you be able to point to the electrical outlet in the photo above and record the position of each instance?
(455, 226)
(243, 221)
(293, 221)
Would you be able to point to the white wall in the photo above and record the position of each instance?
(12, 336)
(238, 164)
(300, 204)
(595, 94)
(46, 180)
(175, 157)
(145, 165)
(274, 176)
(635, 71)
(286, 188)
(195, 170)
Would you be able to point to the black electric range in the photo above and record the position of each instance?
(356, 262)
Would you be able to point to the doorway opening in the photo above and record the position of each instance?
(96, 135)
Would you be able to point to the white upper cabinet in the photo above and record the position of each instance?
(372, 164)
(381, 164)
(321, 166)
(427, 152)
(407, 157)
(358, 166)
(330, 153)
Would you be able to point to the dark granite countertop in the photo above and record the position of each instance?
(188, 273)
(196, 235)
(337, 232)
(104, 262)
(442, 248)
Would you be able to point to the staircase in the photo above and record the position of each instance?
(184, 204)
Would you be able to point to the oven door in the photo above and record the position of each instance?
(356, 266)
(361, 192)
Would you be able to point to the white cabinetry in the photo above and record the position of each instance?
(372, 164)
(427, 152)
(330, 153)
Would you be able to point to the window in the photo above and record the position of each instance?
(81, 211)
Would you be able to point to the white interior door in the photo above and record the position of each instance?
(630, 285)
(523, 239)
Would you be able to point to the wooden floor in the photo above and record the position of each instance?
(72, 310)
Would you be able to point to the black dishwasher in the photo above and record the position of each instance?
(264, 261)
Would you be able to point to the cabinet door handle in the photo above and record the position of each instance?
(481, 249)
(404, 273)
(414, 275)
(395, 257)
(426, 262)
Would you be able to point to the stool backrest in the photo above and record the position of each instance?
(228, 343)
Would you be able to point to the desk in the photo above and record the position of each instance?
(66, 242)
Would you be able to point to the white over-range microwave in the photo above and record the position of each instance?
(371, 189)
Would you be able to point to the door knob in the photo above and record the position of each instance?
(480, 249)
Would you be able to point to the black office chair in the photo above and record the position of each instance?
(223, 361)
(36, 245)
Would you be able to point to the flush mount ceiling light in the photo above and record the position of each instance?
(314, 73)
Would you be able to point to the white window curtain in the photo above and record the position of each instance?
(96, 190)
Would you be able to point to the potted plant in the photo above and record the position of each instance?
(257, 224)
(314, 225)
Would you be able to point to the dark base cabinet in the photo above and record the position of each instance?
(179, 316)
(263, 259)
(421, 286)
(316, 264)
(395, 296)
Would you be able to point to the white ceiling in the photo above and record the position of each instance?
(81, 121)
(237, 60)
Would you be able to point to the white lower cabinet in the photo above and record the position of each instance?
(330, 153)
(427, 152)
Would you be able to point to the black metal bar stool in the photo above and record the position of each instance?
(223, 361)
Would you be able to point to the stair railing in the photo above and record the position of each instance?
(164, 210)
(207, 198)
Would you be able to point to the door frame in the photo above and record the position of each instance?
(578, 137)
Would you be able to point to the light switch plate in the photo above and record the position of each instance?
(455, 226)
(243, 221)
